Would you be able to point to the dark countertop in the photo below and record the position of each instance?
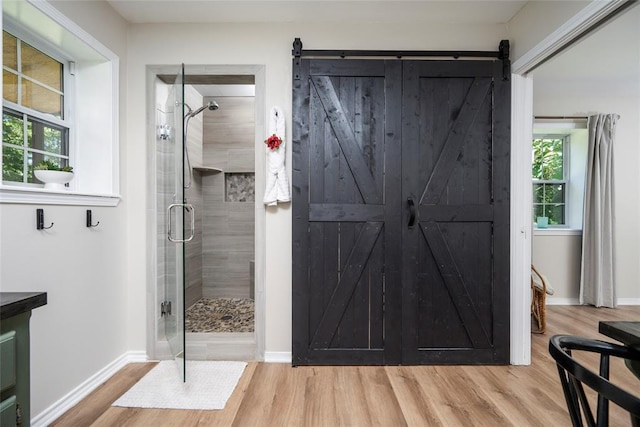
(14, 303)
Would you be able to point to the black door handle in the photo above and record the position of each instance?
(412, 212)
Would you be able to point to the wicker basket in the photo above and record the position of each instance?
(539, 290)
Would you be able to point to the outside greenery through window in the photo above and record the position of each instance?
(33, 122)
(549, 179)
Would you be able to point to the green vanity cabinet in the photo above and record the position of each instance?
(15, 312)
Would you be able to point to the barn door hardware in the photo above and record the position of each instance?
(412, 212)
(501, 54)
(297, 52)
(504, 56)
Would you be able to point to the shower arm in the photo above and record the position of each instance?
(211, 105)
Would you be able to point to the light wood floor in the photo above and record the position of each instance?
(279, 395)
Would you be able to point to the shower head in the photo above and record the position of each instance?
(211, 105)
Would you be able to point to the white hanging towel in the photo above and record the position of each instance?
(277, 189)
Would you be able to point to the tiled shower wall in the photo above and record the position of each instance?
(165, 195)
(193, 249)
(228, 218)
(218, 259)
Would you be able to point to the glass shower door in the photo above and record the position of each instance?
(174, 214)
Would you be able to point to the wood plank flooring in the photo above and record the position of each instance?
(279, 395)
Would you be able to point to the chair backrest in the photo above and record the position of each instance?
(574, 375)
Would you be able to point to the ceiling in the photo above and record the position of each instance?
(383, 11)
(611, 54)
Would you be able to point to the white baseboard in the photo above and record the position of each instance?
(628, 301)
(277, 357)
(67, 402)
(576, 301)
(563, 301)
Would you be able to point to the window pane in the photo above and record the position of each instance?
(41, 99)
(538, 193)
(9, 86)
(29, 133)
(12, 129)
(556, 193)
(41, 67)
(548, 159)
(47, 138)
(555, 214)
(9, 51)
(53, 140)
(12, 161)
(30, 164)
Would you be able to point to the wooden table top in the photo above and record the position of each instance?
(627, 333)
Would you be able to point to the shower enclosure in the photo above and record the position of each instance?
(171, 208)
(205, 165)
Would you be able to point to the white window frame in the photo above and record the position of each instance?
(565, 176)
(94, 139)
(575, 158)
(67, 121)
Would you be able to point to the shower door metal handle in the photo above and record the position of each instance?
(189, 208)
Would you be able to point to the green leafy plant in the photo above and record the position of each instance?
(50, 166)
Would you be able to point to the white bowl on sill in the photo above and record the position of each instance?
(53, 180)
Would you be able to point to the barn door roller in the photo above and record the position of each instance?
(501, 54)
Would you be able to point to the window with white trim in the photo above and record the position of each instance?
(549, 178)
(35, 122)
(559, 159)
(60, 104)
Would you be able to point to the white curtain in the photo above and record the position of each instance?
(597, 282)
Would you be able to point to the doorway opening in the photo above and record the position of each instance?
(222, 307)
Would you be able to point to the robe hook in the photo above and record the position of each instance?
(89, 220)
(40, 220)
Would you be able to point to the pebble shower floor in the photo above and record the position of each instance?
(221, 315)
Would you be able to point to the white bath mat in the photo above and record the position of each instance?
(209, 385)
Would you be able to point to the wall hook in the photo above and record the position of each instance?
(89, 220)
(40, 220)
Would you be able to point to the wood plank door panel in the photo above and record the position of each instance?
(455, 271)
(342, 228)
(400, 212)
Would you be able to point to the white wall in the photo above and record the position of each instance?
(552, 101)
(99, 312)
(83, 327)
(556, 253)
(558, 259)
(599, 74)
(536, 20)
(269, 45)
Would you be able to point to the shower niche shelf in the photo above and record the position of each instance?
(206, 170)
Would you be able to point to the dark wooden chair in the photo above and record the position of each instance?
(574, 377)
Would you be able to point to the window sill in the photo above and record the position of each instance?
(40, 196)
(556, 232)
